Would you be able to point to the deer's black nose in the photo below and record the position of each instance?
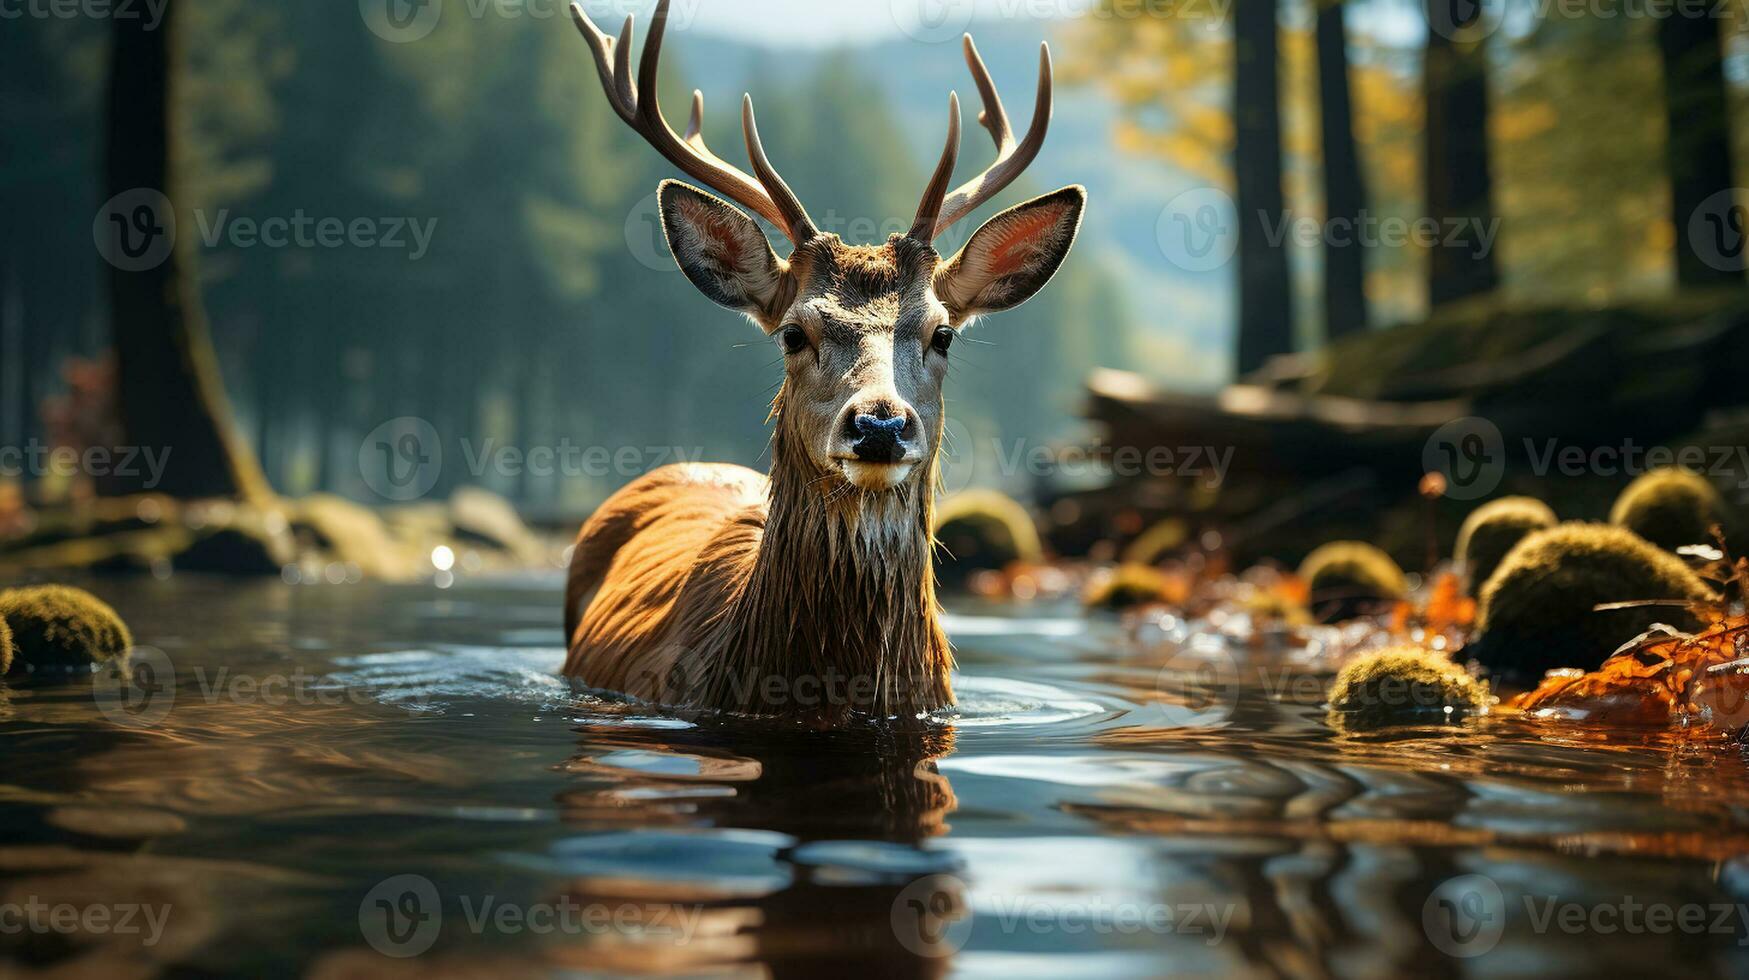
(879, 440)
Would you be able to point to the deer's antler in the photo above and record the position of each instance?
(767, 195)
(942, 209)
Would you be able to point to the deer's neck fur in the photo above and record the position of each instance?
(839, 605)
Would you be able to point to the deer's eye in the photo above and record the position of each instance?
(795, 340)
(942, 340)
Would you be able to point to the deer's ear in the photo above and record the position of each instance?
(721, 250)
(1012, 256)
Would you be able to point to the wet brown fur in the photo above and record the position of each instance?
(711, 586)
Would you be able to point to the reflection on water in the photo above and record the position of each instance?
(382, 781)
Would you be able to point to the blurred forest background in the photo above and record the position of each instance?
(546, 309)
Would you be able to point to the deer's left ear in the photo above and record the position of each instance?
(1012, 256)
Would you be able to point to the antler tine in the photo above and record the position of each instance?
(797, 224)
(1012, 158)
(923, 229)
(641, 109)
(602, 47)
(993, 116)
(622, 65)
(695, 124)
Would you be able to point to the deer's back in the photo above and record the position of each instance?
(654, 567)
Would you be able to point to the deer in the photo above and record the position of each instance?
(808, 591)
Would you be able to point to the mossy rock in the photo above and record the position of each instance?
(1493, 529)
(243, 548)
(1127, 587)
(5, 647)
(349, 532)
(1159, 540)
(983, 529)
(1351, 578)
(59, 627)
(1404, 685)
(1671, 508)
(483, 517)
(1272, 606)
(1539, 609)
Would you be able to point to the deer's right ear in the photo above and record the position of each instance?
(721, 250)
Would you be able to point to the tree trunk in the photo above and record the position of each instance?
(1265, 287)
(1460, 186)
(1345, 310)
(1709, 246)
(169, 395)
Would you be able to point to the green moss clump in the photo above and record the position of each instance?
(983, 529)
(1670, 507)
(1404, 685)
(1351, 578)
(5, 647)
(1159, 540)
(1127, 587)
(1539, 609)
(1492, 529)
(55, 626)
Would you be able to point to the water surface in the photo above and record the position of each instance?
(374, 780)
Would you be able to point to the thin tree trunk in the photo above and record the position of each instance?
(1460, 185)
(1265, 288)
(1345, 309)
(1709, 248)
(170, 397)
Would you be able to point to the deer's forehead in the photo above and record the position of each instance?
(850, 289)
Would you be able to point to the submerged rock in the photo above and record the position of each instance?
(485, 517)
(1491, 531)
(351, 533)
(242, 548)
(1129, 586)
(1351, 578)
(1539, 609)
(59, 627)
(1404, 685)
(1671, 508)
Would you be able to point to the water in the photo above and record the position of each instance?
(373, 780)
